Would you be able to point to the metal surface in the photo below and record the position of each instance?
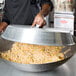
(5, 44)
(41, 67)
(20, 33)
(35, 67)
(68, 69)
(56, 38)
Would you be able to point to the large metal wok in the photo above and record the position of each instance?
(68, 51)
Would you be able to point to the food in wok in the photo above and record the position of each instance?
(32, 54)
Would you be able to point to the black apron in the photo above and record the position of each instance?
(21, 12)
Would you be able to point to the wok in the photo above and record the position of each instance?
(42, 37)
(68, 51)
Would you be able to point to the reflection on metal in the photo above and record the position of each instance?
(20, 33)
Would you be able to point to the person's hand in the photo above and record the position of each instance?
(3, 26)
(39, 20)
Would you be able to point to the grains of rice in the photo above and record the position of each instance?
(32, 54)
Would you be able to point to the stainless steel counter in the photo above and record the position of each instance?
(67, 69)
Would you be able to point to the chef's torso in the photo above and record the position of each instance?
(21, 11)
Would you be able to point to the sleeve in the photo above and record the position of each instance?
(5, 16)
(47, 2)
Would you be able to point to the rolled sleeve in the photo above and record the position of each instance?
(47, 2)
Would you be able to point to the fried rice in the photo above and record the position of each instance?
(32, 54)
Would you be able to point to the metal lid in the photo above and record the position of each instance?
(26, 34)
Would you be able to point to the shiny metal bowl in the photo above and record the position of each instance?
(41, 37)
(68, 51)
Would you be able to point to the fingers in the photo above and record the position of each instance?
(39, 19)
(34, 23)
(1, 29)
(2, 26)
(40, 22)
